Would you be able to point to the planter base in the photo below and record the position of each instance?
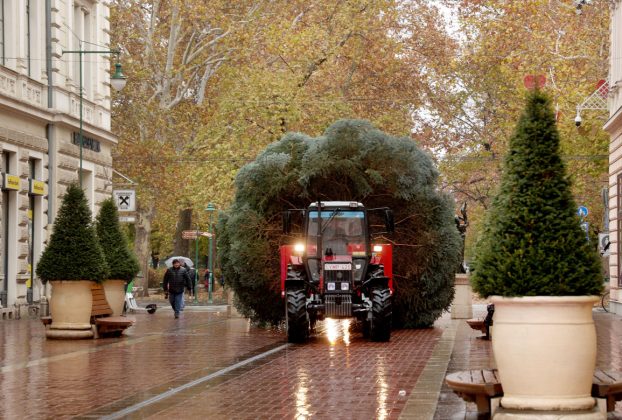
(69, 334)
(507, 414)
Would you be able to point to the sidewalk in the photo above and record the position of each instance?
(469, 352)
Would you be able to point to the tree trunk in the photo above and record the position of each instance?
(184, 247)
(145, 215)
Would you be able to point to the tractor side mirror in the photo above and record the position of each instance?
(389, 222)
(287, 221)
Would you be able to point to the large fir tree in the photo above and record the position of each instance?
(122, 262)
(532, 243)
(352, 161)
(74, 252)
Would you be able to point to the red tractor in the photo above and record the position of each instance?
(335, 270)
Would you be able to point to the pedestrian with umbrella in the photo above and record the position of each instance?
(176, 279)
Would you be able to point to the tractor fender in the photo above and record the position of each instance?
(376, 281)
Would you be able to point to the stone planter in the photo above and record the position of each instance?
(70, 307)
(545, 350)
(115, 295)
(462, 306)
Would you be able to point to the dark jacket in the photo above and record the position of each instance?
(176, 279)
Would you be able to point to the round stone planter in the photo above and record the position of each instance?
(70, 306)
(115, 295)
(545, 350)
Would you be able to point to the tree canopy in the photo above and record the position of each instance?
(121, 261)
(532, 243)
(74, 252)
(351, 161)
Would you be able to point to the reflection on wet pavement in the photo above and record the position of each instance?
(216, 367)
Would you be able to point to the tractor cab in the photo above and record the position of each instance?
(334, 270)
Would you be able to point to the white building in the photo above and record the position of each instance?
(39, 127)
(614, 127)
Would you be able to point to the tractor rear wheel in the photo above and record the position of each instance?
(297, 316)
(381, 314)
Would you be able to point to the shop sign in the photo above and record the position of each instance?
(10, 182)
(36, 187)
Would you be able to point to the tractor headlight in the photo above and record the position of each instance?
(299, 248)
(377, 248)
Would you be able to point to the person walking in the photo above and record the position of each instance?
(175, 280)
(191, 274)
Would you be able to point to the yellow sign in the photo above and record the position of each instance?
(37, 187)
(10, 182)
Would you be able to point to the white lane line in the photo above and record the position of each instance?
(170, 392)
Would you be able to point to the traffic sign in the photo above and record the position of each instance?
(582, 211)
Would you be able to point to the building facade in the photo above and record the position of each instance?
(40, 116)
(614, 128)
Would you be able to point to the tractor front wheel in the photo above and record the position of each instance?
(297, 316)
(381, 315)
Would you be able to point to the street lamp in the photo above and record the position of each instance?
(117, 81)
(210, 209)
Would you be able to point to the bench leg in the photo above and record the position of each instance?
(483, 403)
(611, 403)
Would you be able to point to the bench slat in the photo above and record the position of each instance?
(479, 385)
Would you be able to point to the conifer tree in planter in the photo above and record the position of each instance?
(121, 261)
(72, 261)
(534, 257)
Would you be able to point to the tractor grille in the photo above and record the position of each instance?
(338, 306)
(338, 276)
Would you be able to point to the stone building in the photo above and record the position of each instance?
(39, 128)
(614, 127)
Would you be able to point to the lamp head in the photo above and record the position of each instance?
(118, 79)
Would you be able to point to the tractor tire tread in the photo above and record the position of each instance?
(297, 317)
(382, 312)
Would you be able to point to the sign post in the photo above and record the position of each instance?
(583, 212)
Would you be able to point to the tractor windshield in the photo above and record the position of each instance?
(343, 233)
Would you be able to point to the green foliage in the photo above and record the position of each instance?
(352, 160)
(74, 252)
(122, 262)
(532, 243)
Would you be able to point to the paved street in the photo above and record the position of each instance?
(210, 365)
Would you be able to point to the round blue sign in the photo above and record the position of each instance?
(582, 211)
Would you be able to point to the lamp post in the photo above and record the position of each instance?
(210, 209)
(117, 81)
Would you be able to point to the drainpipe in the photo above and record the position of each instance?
(50, 127)
(49, 134)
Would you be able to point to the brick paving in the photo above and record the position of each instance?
(210, 365)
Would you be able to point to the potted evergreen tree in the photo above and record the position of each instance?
(534, 259)
(72, 261)
(121, 261)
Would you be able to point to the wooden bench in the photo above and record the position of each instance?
(484, 324)
(481, 385)
(477, 386)
(607, 384)
(101, 319)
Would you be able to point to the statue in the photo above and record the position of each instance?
(461, 225)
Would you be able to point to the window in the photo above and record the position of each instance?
(82, 31)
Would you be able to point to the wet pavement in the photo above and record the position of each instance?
(209, 364)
